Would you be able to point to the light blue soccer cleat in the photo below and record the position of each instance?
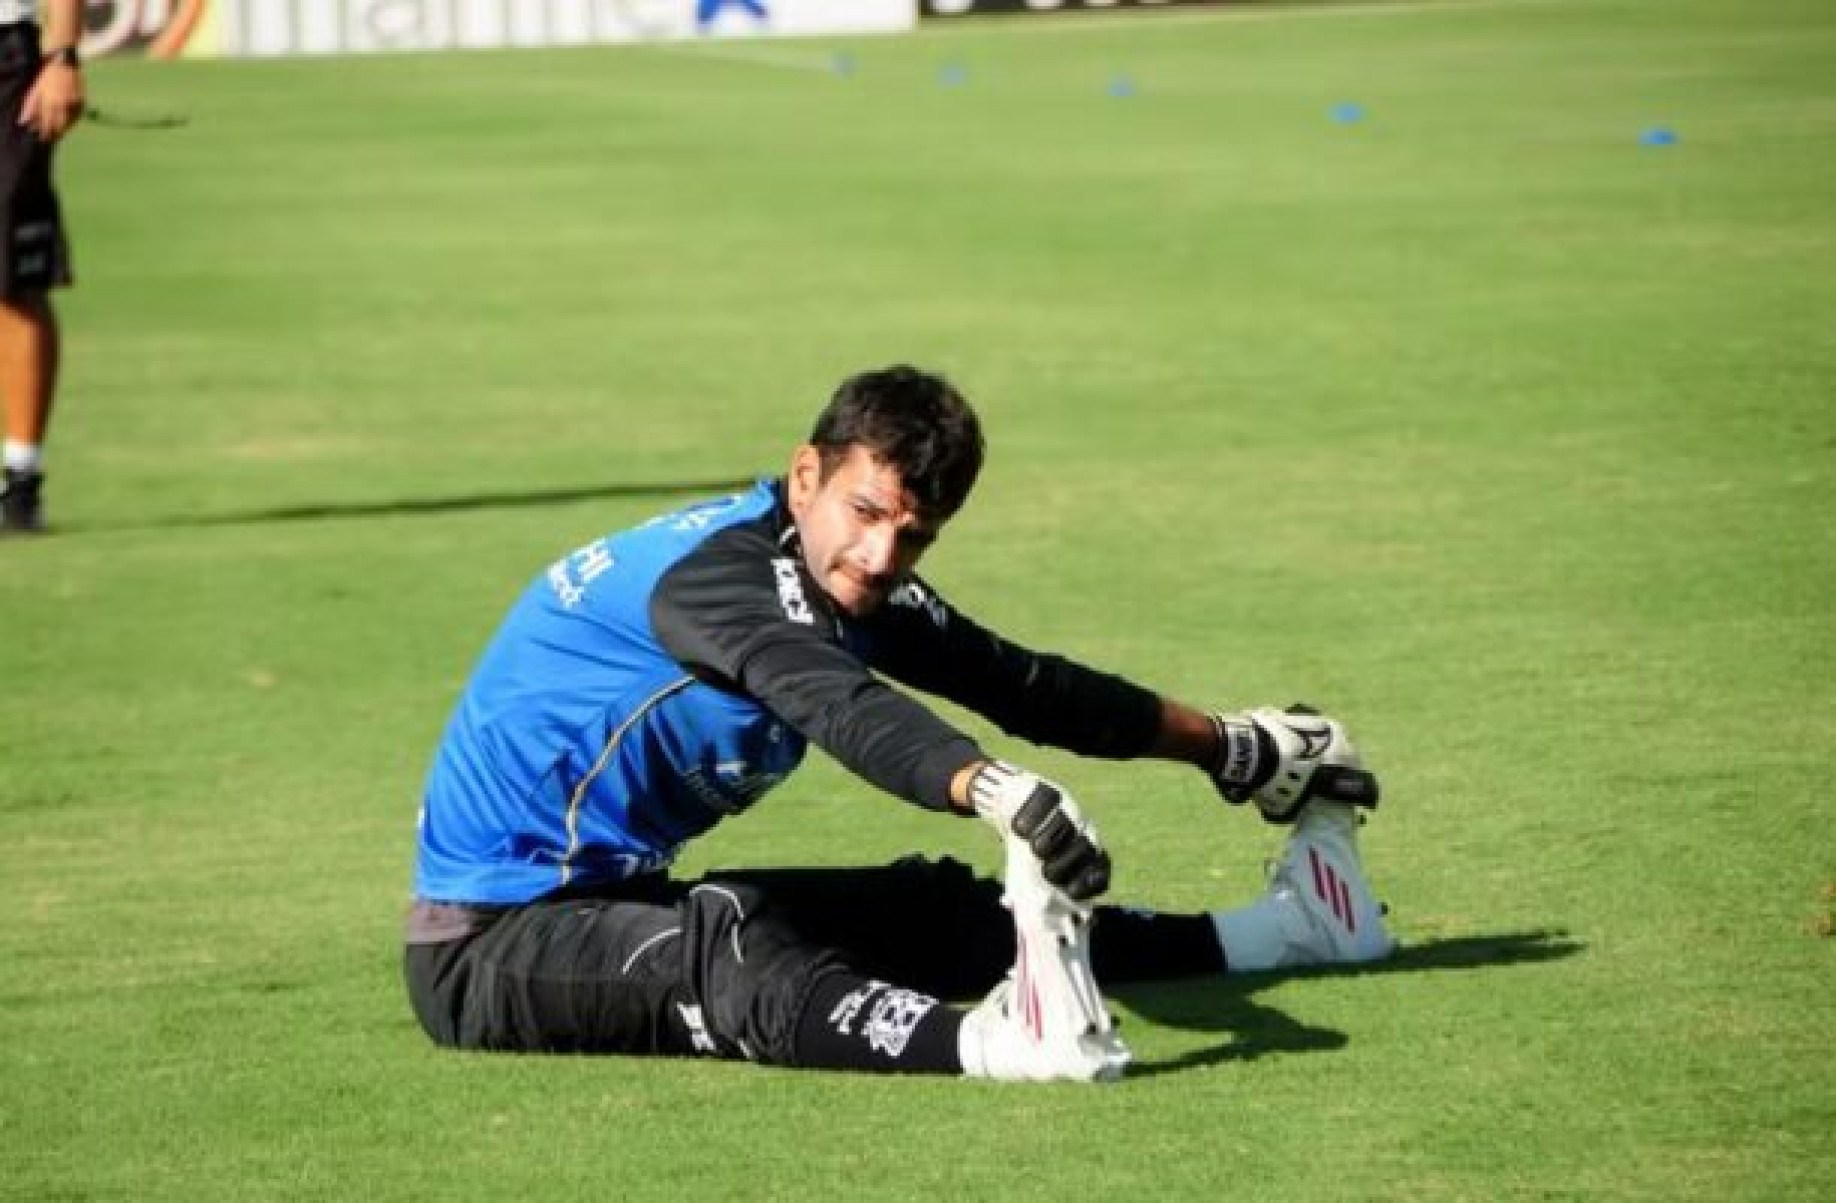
(1319, 908)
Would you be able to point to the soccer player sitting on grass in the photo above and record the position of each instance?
(658, 680)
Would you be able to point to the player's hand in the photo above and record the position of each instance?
(1287, 758)
(1043, 815)
(54, 103)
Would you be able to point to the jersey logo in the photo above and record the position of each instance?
(699, 517)
(790, 592)
(892, 1015)
(895, 1017)
(570, 575)
(730, 787)
(914, 596)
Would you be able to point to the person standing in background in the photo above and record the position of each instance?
(41, 85)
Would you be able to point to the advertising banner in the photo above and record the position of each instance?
(971, 8)
(169, 28)
(156, 28)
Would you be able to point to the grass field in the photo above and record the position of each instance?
(1507, 437)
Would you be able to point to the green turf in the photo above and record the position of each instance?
(1503, 435)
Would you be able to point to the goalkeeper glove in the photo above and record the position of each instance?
(1016, 802)
(1285, 759)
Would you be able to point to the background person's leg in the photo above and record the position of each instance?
(28, 381)
(29, 351)
(34, 259)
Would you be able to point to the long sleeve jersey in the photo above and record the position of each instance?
(655, 681)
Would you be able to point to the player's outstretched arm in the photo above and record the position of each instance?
(1282, 759)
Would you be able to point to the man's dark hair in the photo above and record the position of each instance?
(914, 422)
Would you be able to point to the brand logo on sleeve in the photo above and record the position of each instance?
(914, 596)
(790, 592)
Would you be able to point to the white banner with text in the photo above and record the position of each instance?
(239, 28)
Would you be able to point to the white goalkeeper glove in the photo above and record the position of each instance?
(1285, 759)
(1014, 801)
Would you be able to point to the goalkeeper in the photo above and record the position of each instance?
(656, 681)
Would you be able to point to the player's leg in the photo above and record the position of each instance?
(933, 925)
(936, 926)
(939, 926)
(1319, 909)
(581, 975)
(770, 989)
(674, 969)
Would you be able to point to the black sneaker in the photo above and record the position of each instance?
(22, 511)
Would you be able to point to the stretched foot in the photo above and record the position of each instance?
(1319, 908)
(1046, 1020)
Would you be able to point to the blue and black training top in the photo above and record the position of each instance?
(653, 682)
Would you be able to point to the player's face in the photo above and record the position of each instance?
(861, 530)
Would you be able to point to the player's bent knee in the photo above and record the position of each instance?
(752, 971)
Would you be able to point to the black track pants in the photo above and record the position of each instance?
(726, 966)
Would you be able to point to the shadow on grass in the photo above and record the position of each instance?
(1224, 1004)
(507, 499)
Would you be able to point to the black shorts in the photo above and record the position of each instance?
(722, 966)
(34, 255)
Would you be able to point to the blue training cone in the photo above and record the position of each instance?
(1122, 87)
(1658, 135)
(1347, 112)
